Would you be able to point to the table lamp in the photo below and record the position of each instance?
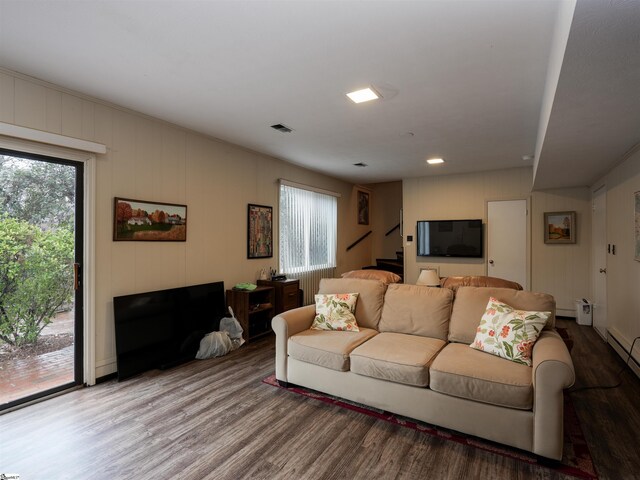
(429, 278)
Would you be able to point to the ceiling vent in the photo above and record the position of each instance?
(281, 128)
(360, 164)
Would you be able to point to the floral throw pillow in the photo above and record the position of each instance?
(335, 312)
(509, 333)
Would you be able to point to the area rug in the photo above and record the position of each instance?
(576, 459)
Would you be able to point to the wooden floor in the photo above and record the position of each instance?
(214, 419)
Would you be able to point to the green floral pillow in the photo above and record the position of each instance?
(509, 333)
(335, 312)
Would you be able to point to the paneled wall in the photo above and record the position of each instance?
(562, 270)
(623, 271)
(455, 197)
(152, 160)
(386, 202)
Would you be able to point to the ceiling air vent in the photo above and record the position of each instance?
(360, 164)
(281, 128)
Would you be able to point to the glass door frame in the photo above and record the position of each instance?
(79, 284)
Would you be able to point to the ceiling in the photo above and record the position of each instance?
(480, 83)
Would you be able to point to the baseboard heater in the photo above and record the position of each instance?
(626, 352)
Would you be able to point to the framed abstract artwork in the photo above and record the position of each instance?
(259, 231)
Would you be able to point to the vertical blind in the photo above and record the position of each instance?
(308, 230)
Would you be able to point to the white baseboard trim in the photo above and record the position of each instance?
(106, 367)
(566, 312)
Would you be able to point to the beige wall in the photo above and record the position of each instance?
(623, 272)
(455, 197)
(386, 204)
(562, 270)
(151, 160)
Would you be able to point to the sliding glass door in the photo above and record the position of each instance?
(41, 232)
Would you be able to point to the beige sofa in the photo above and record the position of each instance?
(411, 357)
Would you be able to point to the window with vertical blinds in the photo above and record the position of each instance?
(308, 230)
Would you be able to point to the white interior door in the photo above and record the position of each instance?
(507, 240)
(599, 256)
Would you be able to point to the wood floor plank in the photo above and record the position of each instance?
(610, 418)
(215, 419)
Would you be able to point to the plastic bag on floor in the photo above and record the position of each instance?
(233, 328)
(214, 344)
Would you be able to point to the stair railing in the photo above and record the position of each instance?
(359, 240)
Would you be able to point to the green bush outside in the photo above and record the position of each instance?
(36, 278)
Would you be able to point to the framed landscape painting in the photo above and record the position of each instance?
(139, 220)
(560, 227)
(259, 231)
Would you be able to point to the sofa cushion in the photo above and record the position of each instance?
(509, 333)
(334, 311)
(396, 357)
(463, 372)
(454, 283)
(328, 349)
(471, 302)
(373, 274)
(417, 310)
(371, 296)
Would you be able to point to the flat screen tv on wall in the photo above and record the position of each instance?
(163, 329)
(450, 238)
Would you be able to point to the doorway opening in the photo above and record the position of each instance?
(41, 252)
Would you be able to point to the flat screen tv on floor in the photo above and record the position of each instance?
(450, 238)
(163, 329)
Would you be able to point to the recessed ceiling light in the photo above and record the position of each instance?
(364, 95)
(434, 161)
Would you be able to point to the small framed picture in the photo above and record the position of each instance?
(560, 227)
(259, 231)
(363, 208)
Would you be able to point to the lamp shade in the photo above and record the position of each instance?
(429, 278)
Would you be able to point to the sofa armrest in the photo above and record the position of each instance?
(285, 325)
(552, 372)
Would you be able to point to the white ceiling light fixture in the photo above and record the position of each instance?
(364, 95)
(435, 161)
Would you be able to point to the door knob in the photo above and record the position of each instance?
(490, 262)
(603, 270)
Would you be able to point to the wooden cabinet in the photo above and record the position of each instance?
(287, 293)
(254, 310)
